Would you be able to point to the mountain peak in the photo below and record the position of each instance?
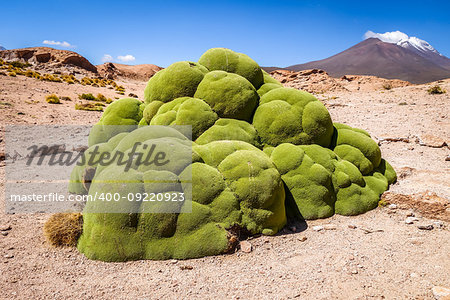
(392, 55)
(403, 40)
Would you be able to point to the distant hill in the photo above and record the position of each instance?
(49, 59)
(48, 56)
(2, 48)
(138, 72)
(405, 61)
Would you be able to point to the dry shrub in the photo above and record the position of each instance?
(63, 229)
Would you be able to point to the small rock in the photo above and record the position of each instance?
(5, 227)
(411, 220)
(317, 228)
(246, 246)
(173, 261)
(414, 275)
(5, 233)
(8, 256)
(440, 292)
(438, 224)
(392, 206)
(329, 227)
(410, 214)
(426, 227)
(355, 272)
(447, 158)
(187, 267)
(432, 141)
(302, 238)
(351, 226)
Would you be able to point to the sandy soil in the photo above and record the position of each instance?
(382, 258)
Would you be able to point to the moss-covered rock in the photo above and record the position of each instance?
(286, 115)
(269, 79)
(309, 167)
(125, 114)
(223, 59)
(230, 129)
(356, 146)
(178, 80)
(229, 95)
(185, 111)
(233, 184)
(320, 183)
(266, 87)
(307, 172)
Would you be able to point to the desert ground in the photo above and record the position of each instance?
(376, 255)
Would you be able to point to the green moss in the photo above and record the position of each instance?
(228, 94)
(307, 173)
(223, 59)
(270, 79)
(309, 167)
(356, 146)
(185, 111)
(230, 191)
(230, 129)
(126, 112)
(286, 115)
(266, 87)
(178, 80)
(355, 193)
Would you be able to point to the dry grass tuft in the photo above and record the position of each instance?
(63, 229)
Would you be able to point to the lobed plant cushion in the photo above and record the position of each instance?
(261, 153)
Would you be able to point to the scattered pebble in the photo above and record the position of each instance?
(246, 246)
(438, 224)
(354, 271)
(329, 227)
(410, 214)
(426, 227)
(351, 226)
(5, 227)
(392, 206)
(440, 292)
(173, 261)
(302, 238)
(317, 228)
(8, 256)
(186, 267)
(411, 220)
(5, 233)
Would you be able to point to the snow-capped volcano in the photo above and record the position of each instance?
(419, 46)
(387, 55)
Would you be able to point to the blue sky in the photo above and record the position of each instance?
(274, 33)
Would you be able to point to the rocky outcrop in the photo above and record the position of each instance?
(313, 81)
(319, 81)
(138, 72)
(46, 55)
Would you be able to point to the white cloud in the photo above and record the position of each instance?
(126, 58)
(107, 58)
(388, 37)
(57, 43)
